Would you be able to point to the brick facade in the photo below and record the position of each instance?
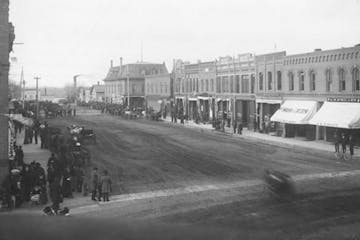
(4, 71)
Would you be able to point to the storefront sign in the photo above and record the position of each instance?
(342, 99)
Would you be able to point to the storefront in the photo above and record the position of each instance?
(293, 119)
(180, 105)
(224, 110)
(205, 108)
(339, 114)
(245, 111)
(265, 108)
(193, 109)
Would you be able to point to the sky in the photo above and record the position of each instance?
(63, 38)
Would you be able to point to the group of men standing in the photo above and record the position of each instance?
(342, 139)
(100, 185)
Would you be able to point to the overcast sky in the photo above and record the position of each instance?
(67, 37)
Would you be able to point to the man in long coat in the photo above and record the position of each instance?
(105, 182)
(94, 184)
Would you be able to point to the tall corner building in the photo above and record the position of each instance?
(4, 71)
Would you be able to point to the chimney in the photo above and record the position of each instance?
(121, 62)
(98, 83)
(111, 63)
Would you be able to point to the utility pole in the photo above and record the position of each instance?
(128, 87)
(37, 96)
(22, 88)
(75, 92)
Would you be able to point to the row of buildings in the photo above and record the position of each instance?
(307, 95)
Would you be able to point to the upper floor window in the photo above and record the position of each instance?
(207, 85)
(202, 85)
(279, 80)
(212, 85)
(328, 80)
(237, 83)
(301, 81)
(342, 81)
(291, 81)
(356, 79)
(252, 83)
(312, 81)
(261, 81)
(270, 83)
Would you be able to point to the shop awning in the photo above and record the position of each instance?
(23, 120)
(192, 99)
(269, 101)
(203, 98)
(338, 114)
(295, 112)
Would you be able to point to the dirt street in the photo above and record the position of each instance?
(145, 156)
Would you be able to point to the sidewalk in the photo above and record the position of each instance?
(291, 143)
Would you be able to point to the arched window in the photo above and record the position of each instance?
(342, 81)
(356, 79)
(291, 81)
(301, 81)
(328, 78)
(312, 81)
(261, 81)
(279, 80)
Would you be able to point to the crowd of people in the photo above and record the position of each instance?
(24, 183)
(65, 169)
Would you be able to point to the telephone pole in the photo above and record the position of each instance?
(37, 96)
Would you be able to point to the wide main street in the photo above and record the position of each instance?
(171, 174)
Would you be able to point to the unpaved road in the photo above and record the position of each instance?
(145, 156)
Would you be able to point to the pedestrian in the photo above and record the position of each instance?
(66, 184)
(94, 184)
(105, 182)
(36, 130)
(80, 179)
(31, 134)
(337, 138)
(19, 155)
(351, 145)
(26, 183)
(235, 125)
(55, 194)
(240, 128)
(343, 142)
(26, 136)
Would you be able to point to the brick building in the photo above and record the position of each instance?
(4, 72)
(194, 89)
(158, 92)
(235, 88)
(129, 80)
(319, 92)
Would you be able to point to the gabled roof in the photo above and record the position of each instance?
(135, 70)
